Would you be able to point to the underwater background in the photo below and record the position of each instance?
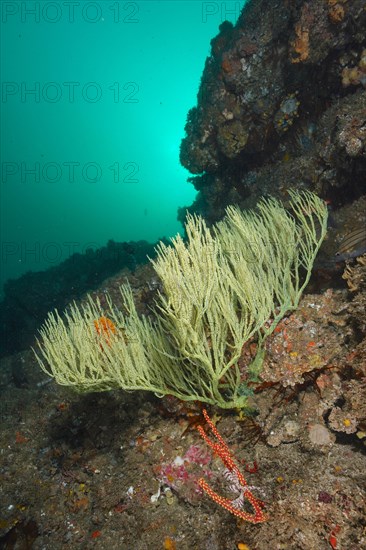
(95, 98)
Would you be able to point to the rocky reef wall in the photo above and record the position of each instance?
(281, 104)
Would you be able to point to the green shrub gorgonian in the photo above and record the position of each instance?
(220, 288)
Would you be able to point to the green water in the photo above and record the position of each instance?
(94, 101)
